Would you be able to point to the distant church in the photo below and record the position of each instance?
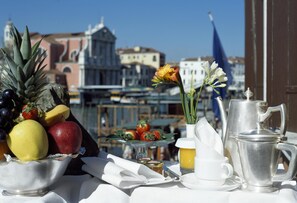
(86, 58)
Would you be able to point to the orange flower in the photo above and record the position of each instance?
(166, 74)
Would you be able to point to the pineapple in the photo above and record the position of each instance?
(24, 72)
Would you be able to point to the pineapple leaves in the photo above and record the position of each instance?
(30, 66)
(29, 82)
(20, 74)
(24, 71)
(26, 45)
(10, 63)
(16, 36)
(40, 64)
(17, 56)
(35, 47)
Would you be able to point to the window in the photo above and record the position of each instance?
(154, 58)
(66, 70)
(73, 55)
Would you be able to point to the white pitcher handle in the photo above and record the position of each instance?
(229, 170)
(282, 109)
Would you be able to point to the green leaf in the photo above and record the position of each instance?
(30, 81)
(113, 137)
(20, 74)
(26, 45)
(168, 136)
(20, 89)
(17, 56)
(11, 64)
(29, 68)
(31, 88)
(40, 64)
(16, 36)
(39, 70)
(35, 47)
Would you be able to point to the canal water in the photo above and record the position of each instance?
(87, 116)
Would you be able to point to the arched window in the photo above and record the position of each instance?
(73, 55)
(66, 70)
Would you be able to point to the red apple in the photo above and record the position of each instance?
(64, 137)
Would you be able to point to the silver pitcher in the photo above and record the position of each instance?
(244, 114)
(259, 152)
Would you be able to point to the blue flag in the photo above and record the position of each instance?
(220, 58)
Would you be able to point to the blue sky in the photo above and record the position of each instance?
(179, 28)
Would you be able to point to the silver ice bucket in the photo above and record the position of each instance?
(259, 153)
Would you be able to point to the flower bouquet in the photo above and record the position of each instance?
(215, 77)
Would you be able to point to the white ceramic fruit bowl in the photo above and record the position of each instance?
(31, 178)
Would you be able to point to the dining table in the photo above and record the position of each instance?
(91, 189)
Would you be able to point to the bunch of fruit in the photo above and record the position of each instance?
(142, 132)
(29, 132)
(32, 135)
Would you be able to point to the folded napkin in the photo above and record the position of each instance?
(119, 172)
(208, 142)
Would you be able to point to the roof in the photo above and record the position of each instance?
(137, 49)
(51, 37)
(67, 35)
(202, 58)
(236, 59)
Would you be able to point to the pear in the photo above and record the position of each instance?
(28, 141)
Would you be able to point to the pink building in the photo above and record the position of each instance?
(85, 58)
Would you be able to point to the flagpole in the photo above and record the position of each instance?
(210, 18)
(215, 104)
(265, 50)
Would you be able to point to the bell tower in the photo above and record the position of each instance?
(7, 35)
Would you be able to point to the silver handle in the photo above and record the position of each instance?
(292, 166)
(282, 109)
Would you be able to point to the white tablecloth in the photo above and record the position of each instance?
(87, 189)
(177, 193)
(74, 189)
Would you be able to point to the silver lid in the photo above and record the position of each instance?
(260, 135)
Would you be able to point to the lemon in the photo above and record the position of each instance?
(28, 141)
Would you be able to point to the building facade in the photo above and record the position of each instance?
(136, 74)
(141, 55)
(191, 71)
(85, 58)
(238, 73)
